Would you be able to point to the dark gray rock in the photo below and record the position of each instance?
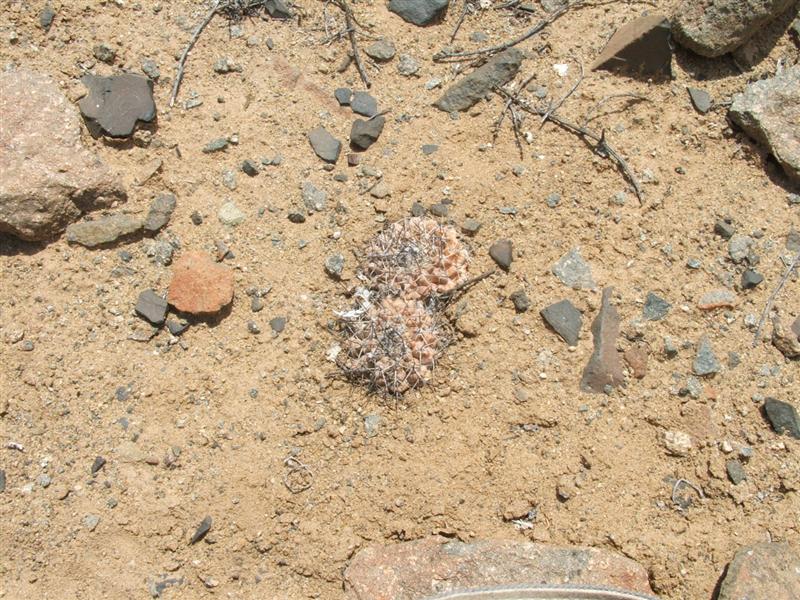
(2, 481)
(655, 307)
(250, 168)
(604, 370)
(278, 324)
(99, 463)
(641, 47)
(202, 529)
(381, 50)
(161, 210)
(565, 319)
(751, 279)
(769, 112)
(735, 471)
(782, 416)
(296, 217)
(521, 301)
(467, 92)
(116, 104)
(196, 217)
(502, 252)
(701, 100)
(105, 230)
(364, 133)
(418, 210)
(104, 53)
(216, 145)
(705, 361)
(177, 327)
(428, 149)
(470, 226)
(440, 209)
(278, 9)
(152, 307)
(334, 265)
(573, 271)
(553, 200)
(724, 229)
(324, 144)
(419, 12)
(715, 27)
(46, 17)
(343, 96)
(363, 103)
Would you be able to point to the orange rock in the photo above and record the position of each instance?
(200, 286)
(636, 356)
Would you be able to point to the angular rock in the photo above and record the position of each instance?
(426, 568)
(365, 133)
(767, 571)
(705, 361)
(46, 17)
(47, 179)
(655, 307)
(782, 416)
(502, 253)
(334, 265)
(715, 27)
(735, 471)
(324, 144)
(521, 301)
(230, 214)
(278, 324)
(202, 530)
(407, 66)
(796, 327)
(152, 307)
(365, 104)
(605, 365)
(769, 112)
(381, 50)
(200, 286)
(739, 247)
(105, 230)
(641, 47)
(419, 12)
(467, 92)
(115, 104)
(751, 279)
(565, 319)
(785, 339)
(701, 100)
(343, 96)
(278, 9)
(573, 271)
(714, 299)
(637, 358)
(160, 212)
(314, 199)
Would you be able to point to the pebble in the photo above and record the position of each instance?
(521, 301)
(230, 214)
(177, 327)
(196, 217)
(735, 471)
(739, 247)
(565, 319)
(573, 271)
(2, 481)
(364, 133)
(91, 522)
(104, 230)
(256, 304)
(99, 463)
(26, 346)
(469, 226)
(150, 68)
(428, 149)
(502, 253)
(371, 425)
(407, 65)
(297, 217)
(701, 100)
(553, 200)
(381, 190)
(693, 263)
(363, 103)
(677, 443)
(343, 96)
(334, 265)
(199, 285)
(160, 212)
(440, 209)
(751, 279)
(324, 144)
(670, 349)
(714, 299)
(104, 53)
(782, 416)
(46, 17)
(278, 324)
(705, 362)
(216, 145)
(152, 307)
(202, 530)
(724, 228)
(250, 167)
(44, 480)
(226, 65)
(314, 199)
(381, 50)
(253, 327)
(655, 307)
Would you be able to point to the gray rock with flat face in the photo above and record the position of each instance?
(152, 307)
(365, 133)
(705, 361)
(565, 319)
(715, 27)
(769, 112)
(314, 199)
(47, 177)
(105, 230)
(160, 211)
(573, 271)
(640, 47)
(655, 307)
(365, 104)
(381, 50)
(419, 12)
(783, 417)
(324, 144)
(469, 90)
(115, 104)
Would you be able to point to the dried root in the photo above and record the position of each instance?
(394, 335)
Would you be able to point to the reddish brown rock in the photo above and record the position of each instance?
(717, 299)
(640, 47)
(424, 568)
(764, 571)
(47, 178)
(200, 286)
(637, 357)
(605, 366)
(785, 339)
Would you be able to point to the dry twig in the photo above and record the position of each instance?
(350, 27)
(554, 107)
(771, 300)
(182, 62)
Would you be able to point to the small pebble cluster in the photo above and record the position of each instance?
(395, 333)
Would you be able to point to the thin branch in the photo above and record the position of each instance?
(350, 27)
(499, 122)
(464, 10)
(182, 62)
(554, 107)
(773, 295)
(630, 95)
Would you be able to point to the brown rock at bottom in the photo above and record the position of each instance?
(199, 285)
(605, 366)
(48, 178)
(769, 571)
(423, 568)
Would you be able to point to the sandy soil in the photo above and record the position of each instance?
(204, 426)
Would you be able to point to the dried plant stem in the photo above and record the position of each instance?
(771, 300)
(350, 27)
(195, 36)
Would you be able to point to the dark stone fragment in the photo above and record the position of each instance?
(735, 471)
(705, 362)
(783, 417)
(701, 100)
(98, 464)
(439, 209)
(115, 104)
(724, 229)
(796, 327)
(202, 530)
(122, 393)
(364, 104)
(604, 368)
(334, 265)
(278, 324)
(104, 53)
(324, 144)
(428, 149)
(365, 133)
(343, 96)
(418, 210)
(152, 307)
(751, 279)
(2, 481)
(565, 319)
(176, 327)
(250, 167)
(470, 226)
(419, 12)
(46, 17)
(297, 217)
(521, 301)
(641, 47)
(655, 307)
(196, 218)
(502, 252)
(216, 145)
(278, 9)
(160, 212)
(472, 88)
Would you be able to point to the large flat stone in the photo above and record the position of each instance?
(769, 112)
(424, 568)
(768, 571)
(103, 231)
(200, 286)
(605, 365)
(419, 12)
(116, 104)
(468, 91)
(47, 179)
(640, 47)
